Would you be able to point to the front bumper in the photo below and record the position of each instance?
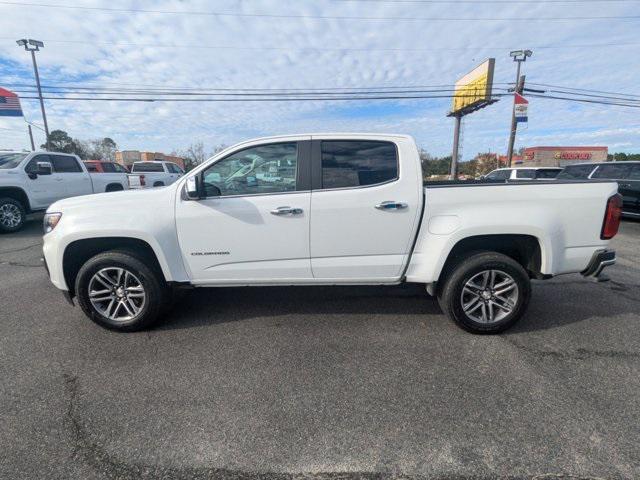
(599, 260)
(65, 293)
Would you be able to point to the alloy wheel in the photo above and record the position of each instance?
(489, 296)
(10, 215)
(116, 293)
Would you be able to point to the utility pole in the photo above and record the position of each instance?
(33, 46)
(518, 56)
(456, 145)
(33, 145)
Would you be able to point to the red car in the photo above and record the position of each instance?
(101, 166)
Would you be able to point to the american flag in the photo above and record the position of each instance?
(9, 104)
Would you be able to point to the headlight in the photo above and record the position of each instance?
(50, 221)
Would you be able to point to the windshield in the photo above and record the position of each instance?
(11, 160)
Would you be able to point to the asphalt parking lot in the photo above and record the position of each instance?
(358, 382)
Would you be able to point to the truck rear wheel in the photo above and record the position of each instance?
(485, 292)
(117, 290)
(12, 215)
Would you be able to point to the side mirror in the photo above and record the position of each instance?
(192, 188)
(44, 168)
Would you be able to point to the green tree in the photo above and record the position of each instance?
(60, 141)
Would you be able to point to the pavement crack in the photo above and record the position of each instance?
(19, 264)
(21, 249)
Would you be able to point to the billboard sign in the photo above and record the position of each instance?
(473, 91)
(520, 108)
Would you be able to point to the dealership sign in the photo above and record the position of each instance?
(520, 108)
(573, 155)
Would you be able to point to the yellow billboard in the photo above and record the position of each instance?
(473, 91)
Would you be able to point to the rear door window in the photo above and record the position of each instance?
(635, 172)
(358, 163)
(147, 167)
(529, 174)
(613, 171)
(108, 167)
(547, 173)
(499, 175)
(65, 164)
(576, 172)
(91, 167)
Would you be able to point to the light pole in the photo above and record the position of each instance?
(518, 56)
(33, 46)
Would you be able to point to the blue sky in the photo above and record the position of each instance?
(114, 48)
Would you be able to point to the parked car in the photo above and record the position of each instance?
(338, 209)
(110, 174)
(154, 173)
(627, 174)
(103, 166)
(31, 181)
(522, 173)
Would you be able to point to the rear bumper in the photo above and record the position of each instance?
(599, 260)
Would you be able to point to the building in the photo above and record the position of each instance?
(127, 157)
(560, 156)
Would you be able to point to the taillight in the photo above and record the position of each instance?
(612, 217)
(142, 182)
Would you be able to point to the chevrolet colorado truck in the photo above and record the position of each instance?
(31, 181)
(330, 209)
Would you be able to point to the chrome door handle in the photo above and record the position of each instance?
(286, 211)
(391, 205)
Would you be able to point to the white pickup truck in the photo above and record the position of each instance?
(324, 210)
(31, 181)
(153, 173)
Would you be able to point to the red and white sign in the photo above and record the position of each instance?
(520, 107)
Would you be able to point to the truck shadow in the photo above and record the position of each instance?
(220, 305)
(554, 304)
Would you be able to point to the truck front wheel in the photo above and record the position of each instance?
(485, 292)
(12, 215)
(119, 291)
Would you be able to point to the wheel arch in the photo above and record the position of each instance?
(525, 249)
(18, 194)
(114, 187)
(78, 252)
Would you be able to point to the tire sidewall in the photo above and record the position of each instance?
(147, 277)
(23, 214)
(474, 265)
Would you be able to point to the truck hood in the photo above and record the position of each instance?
(10, 177)
(125, 202)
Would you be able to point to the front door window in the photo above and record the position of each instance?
(253, 171)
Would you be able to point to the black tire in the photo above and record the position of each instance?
(114, 187)
(472, 267)
(12, 215)
(158, 184)
(157, 294)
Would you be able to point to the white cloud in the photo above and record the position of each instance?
(165, 126)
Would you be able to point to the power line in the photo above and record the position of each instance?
(335, 49)
(243, 94)
(504, 2)
(584, 100)
(320, 17)
(256, 99)
(149, 87)
(583, 89)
